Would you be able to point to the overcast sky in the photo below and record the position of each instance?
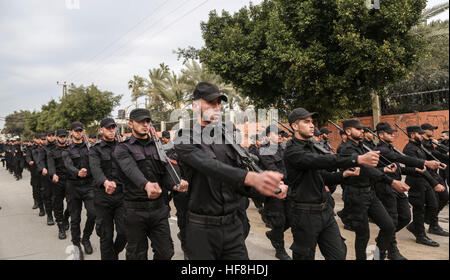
(103, 42)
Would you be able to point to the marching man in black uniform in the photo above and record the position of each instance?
(108, 192)
(217, 182)
(311, 215)
(144, 174)
(58, 175)
(79, 188)
(422, 195)
(360, 198)
(396, 203)
(275, 210)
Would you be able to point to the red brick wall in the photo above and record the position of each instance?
(436, 118)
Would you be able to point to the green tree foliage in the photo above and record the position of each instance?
(85, 104)
(431, 73)
(324, 55)
(168, 91)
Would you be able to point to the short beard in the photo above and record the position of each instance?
(62, 143)
(140, 134)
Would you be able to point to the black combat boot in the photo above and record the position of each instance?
(394, 253)
(62, 232)
(280, 251)
(437, 230)
(87, 246)
(425, 240)
(41, 212)
(50, 221)
(35, 206)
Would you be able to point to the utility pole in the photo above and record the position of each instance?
(64, 88)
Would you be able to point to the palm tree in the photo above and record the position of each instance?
(136, 85)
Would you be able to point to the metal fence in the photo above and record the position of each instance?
(434, 100)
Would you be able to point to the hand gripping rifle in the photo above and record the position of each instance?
(163, 157)
(421, 146)
(366, 148)
(245, 156)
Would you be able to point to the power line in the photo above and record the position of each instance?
(105, 58)
(76, 72)
(153, 35)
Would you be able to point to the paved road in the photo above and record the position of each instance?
(25, 236)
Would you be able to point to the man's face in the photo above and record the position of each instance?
(429, 133)
(43, 142)
(387, 137)
(92, 140)
(108, 132)
(210, 110)
(325, 136)
(417, 137)
(304, 127)
(77, 134)
(355, 133)
(165, 140)
(141, 128)
(62, 139)
(445, 136)
(51, 138)
(344, 137)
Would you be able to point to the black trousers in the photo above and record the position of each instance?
(425, 205)
(59, 193)
(276, 216)
(360, 205)
(47, 194)
(312, 228)
(442, 200)
(110, 212)
(181, 204)
(213, 242)
(36, 189)
(397, 205)
(141, 224)
(78, 193)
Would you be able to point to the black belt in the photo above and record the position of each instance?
(361, 190)
(311, 207)
(211, 220)
(144, 205)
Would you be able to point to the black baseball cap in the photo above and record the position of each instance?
(427, 126)
(325, 131)
(140, 114)
(76, 126)
(61, 132)
(209, 92)
(92, 135)
(386, 127)
(355, 123)
(300, 114)
(415, 128)
(50, 132)
(165, 134)
(42, 136)
(445, 131)
(107, 122)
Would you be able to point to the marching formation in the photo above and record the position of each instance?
(126, 185)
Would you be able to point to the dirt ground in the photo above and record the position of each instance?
(406, 241)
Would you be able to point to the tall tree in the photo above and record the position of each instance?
(325, 55)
